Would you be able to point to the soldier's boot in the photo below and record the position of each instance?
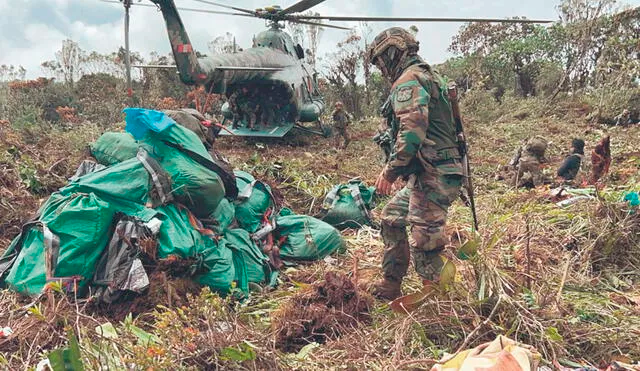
(345, 143)
(394, 263)
(429, 265)
(435, 272)
(387, 289)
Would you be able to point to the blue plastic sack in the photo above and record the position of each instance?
(141, 120)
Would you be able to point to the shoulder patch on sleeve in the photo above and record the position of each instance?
(404, 94)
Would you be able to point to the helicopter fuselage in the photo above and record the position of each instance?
(274, 63)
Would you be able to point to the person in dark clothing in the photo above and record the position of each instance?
(600, 159)
(571, 164)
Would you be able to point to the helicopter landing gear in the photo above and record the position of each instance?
(324, 129)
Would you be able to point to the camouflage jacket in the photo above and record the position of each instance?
(426, 138)
(239, 101)
(340, 118)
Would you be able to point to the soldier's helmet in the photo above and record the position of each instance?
(390, 49)
(536, 146)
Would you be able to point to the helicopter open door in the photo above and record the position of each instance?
(299, 51)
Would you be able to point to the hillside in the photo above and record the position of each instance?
(574, 296)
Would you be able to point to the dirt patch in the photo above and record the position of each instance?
(324, 311)
(169, 285)
(42, 327)
(163, 290)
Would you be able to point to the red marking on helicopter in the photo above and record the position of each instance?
(184, 48)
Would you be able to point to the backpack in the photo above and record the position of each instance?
(348, 205)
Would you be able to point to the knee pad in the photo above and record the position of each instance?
(428, 237)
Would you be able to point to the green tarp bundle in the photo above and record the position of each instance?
(223, 216)
(178, 151)
(218, 269)
(307, 238)
(178, 236)
(65, 242)
(79, 216)
(236, 262)
(128, 181)
(112, 148)
(254, 199)
(348, 205)
(168, 178)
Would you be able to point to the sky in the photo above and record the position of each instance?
(31, 31)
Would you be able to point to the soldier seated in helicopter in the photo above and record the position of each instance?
(268, 106)
(239, 103)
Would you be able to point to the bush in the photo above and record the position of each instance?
(548, 78)
(609, 101)
(102, 98)
(482, 102)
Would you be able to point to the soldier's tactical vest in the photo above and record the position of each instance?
(441, 145)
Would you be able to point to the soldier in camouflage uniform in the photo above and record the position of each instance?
(341, 120)
(269, 104)
(233, 106)
(239, 105)
(425, 152)
(528, 163)
(624, 118)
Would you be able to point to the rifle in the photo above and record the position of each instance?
(386, 139)
(462, 147)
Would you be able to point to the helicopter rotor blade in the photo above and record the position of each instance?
(421, 19)
(184, 9)
(300, 6)
(318, 24)
(226, 6)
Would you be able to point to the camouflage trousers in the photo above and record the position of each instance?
(341, 133)
(422, 206)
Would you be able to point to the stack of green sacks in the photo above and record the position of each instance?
(159, 170)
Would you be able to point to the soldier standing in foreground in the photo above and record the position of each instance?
(341, 120)
(425, 152)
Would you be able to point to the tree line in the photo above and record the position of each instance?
(592, 50)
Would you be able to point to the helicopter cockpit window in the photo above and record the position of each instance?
(299, 51)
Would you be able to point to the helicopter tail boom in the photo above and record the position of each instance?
(189, 68)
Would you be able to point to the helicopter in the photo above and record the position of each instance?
(273, 74)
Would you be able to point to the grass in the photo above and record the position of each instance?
(573, 294)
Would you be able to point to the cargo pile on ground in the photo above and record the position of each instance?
(156, 197)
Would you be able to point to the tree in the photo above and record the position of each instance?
(508, 54)
(308, 36)
(11, 72)
(68, 62)
(581, 36)
(344, 68)
(223, 44)
(413, 29)
(162, 83)
(366, 31)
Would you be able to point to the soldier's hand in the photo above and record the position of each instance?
(397, 185)
(383, 186)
